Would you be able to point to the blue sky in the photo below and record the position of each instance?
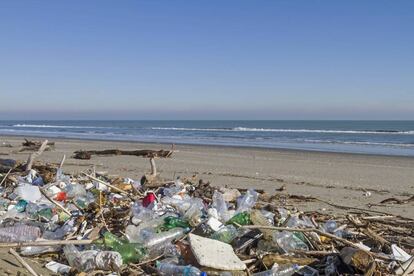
(207, 59)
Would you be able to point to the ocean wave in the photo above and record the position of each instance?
(53, 126)
(364, 143)
(191, 129)
(246, 129)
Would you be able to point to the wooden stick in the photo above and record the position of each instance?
(34, 155)
(5, 177)
(106, 184)
(153, 167)
(23, 262)
(44, 243)
(62, 161)
(320, 232)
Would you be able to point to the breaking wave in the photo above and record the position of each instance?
(246, 129)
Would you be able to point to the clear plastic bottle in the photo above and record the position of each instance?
(225, 234)
(165, 237)
(133, 232)
(89, 260)
(37, 250)
(288, 241)
(221, 206)
(247, 202)
(178, 270)
(19, 233)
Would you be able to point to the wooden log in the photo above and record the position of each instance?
(86, 155)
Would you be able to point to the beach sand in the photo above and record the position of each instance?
(334, 177)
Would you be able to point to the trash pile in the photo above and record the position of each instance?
(92, 223)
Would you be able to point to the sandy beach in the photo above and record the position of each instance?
(355, 180)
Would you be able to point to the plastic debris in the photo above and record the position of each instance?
(186, 227)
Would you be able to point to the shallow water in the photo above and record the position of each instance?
(372, 137)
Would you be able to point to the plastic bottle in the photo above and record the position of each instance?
(226, 234)
(36, 250)
(133, 232)
(194, 213)
(277, 270)
(173, 222)
(178, 270)
(165, 237)
(180, 205)
(240, 219)
(221, 206)
(91, 259)
(247, 202)
(130, 252)
(142, 213)
(19, 233)
(288, 241)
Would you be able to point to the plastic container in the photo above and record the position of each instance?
(178, 270)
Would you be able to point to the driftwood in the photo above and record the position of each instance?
(397, 201)
(29, 145)
(151, 180)
(86, 155)
(34, 155)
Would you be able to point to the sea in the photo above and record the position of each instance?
(366, 137)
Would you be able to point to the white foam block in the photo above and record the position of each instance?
(214, 254)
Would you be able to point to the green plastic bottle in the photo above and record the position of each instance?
(173, 222)
(240, 219)
(130, 252)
